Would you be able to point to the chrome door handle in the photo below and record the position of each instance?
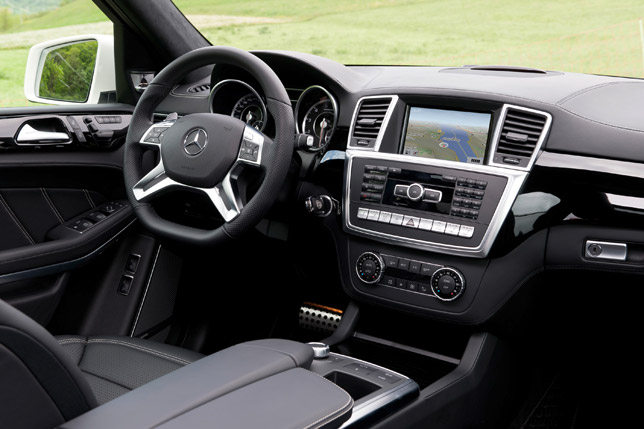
(30, 135)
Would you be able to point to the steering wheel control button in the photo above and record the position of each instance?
(447, 284)
(370, 267)
(415, 192)
(411, 221)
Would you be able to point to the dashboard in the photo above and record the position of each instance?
(453, 187)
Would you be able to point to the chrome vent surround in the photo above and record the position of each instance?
(370, 120)
(520, 136)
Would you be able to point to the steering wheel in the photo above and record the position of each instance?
(205, 152)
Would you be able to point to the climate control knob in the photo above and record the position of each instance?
(448, 284)
(370, 267)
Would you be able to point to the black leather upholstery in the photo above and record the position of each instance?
(37, 374)
(115, 365)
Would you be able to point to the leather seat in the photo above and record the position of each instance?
(68, 376)
(113, 366)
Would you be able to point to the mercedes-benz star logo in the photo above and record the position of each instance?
(195, 141)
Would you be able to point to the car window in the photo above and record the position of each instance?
(24, 23)
(588, 36)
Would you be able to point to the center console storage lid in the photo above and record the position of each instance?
(197, 384)
(296, 399)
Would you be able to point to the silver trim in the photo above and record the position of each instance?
(422, 192)
(29, 136)
(226, 82)
(497, 136)
(382, 268)
(587, 163)
(515, 179)
(624, 201)
(455, 271)
(383, 127)
(608, 250)
(336, 112)
(223, 195)
(145, 293)
(60, 267)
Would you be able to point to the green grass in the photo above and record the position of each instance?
(590, 36)
(12, 74)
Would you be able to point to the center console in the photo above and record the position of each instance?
(428, 186)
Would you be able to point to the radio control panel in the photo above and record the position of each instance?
(430, 204)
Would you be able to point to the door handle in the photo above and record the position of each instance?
(28, 135)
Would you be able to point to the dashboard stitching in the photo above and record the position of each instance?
(591, 88)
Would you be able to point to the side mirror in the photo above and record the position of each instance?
(71, 70)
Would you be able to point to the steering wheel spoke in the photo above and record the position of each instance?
(153, 183)
(154, 135)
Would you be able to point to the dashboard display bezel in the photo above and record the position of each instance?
(488, 142)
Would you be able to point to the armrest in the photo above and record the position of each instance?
(196, 384)
(296, 399)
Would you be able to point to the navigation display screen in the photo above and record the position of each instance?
(446, 134)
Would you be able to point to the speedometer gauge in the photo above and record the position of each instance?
(316, 114)
(249, 110)
(319, 122)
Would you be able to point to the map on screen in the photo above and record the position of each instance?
(447, 134)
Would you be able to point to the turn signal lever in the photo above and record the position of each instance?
(321, 205)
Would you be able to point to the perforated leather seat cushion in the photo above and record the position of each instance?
(115, 365)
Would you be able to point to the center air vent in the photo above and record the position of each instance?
(199, 88)
(369, 120)
(521, 135)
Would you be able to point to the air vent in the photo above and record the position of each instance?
(368, 121)
(199, 88)
(519, 137)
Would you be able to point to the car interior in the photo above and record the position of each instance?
(272, 239)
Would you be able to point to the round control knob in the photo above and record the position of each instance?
(448, 284)
(415, 192)
(370, 267)
(320, 350)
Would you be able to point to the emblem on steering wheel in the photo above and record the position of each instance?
(195, 142)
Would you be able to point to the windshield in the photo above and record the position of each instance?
(588, 36)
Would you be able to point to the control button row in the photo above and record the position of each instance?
(471, 183)
(108, 119)
(469, 193)
(437, 226)
(416, 192)
(249, 151)
(467, 213)
(415, 267)
(363, 369)
(95, 216)
(381, 169)
(464, 202)
(411, 285)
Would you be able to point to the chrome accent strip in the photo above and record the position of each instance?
(242, 83)
(515, 178)
(587, 163)
(145, 293)
(383, 127)
(497, 137)
(625, 201)
(60, 267)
